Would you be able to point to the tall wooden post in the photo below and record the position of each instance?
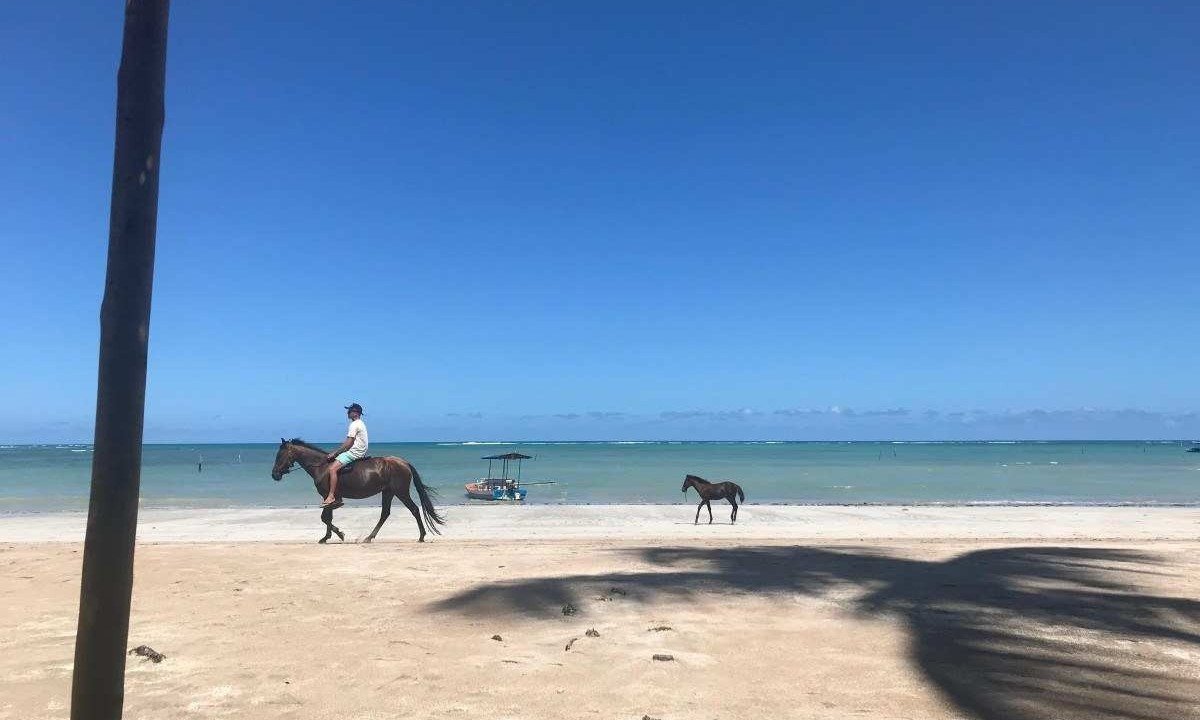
(98, 690)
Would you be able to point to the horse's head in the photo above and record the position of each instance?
(688, 481)
(284, 459)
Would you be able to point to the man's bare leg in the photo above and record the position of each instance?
(331, 498)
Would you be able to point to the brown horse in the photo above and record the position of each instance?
(391, 476)
(714, 491)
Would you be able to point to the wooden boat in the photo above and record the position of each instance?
(502, 488)
(495, 489)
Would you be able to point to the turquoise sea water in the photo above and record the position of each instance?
(56, 477)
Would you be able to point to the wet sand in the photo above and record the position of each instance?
(483, 521)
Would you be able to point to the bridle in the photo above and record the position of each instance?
(291, 465)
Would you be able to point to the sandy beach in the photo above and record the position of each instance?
(902, 287)
(847, 612)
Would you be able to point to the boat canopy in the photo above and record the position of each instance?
(504, 460)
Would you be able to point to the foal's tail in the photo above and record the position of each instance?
(432, 517)
(741, 495)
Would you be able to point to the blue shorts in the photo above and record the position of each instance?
(345, 458)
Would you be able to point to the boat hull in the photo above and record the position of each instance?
(486, 491)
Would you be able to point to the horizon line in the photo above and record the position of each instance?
(645, 441)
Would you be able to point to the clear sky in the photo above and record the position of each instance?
(620, 219)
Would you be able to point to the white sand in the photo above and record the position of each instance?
(937, 613)
(913, 629)
(617, 522)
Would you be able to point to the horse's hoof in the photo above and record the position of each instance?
(421, 539)
(322, 541)
(366, 540)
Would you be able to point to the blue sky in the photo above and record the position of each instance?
(621, 220)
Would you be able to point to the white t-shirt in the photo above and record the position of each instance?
(358, 431)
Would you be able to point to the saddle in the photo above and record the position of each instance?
(347, 468)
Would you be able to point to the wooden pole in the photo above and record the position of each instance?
(98, 689)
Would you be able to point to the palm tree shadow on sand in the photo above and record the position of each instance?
(1026, 633)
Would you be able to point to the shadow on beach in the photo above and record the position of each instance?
(1025, 633)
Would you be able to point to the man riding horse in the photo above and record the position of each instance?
(354, 447)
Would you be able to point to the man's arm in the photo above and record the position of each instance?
(341, 448)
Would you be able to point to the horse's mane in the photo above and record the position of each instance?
(697, 478)
(301, 443)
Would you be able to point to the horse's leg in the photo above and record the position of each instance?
(416, 513)
(334, 528)
(327, 518)
(709, 504)
(698, 508)
(383, 515)
(733, 515)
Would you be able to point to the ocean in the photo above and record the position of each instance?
(46, 478)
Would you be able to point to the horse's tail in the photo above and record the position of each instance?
(432, 517)
(741, 495)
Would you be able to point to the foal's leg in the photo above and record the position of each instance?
(383, 515)
(733, 515)
(698, 507)
(416, 513)
(709, 504)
